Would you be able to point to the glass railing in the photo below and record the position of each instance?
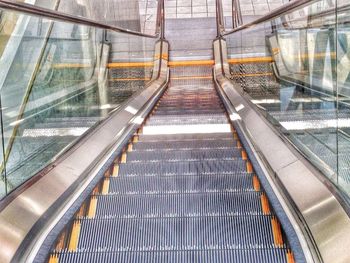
(135, 15)
(57, 80)
(295, 68)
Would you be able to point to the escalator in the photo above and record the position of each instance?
(183, 190)
(179, 150)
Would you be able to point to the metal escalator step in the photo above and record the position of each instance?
(277, 255)
(220, 143)
(181, 184)
(182, 167)
(184, 137)
(189, 111)
(178, 205)
(176, 155)
(153, 234)
(187, 119)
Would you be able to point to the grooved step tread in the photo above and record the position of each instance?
(178, 155)
(277, 255)
(182, 167)
(178, 205)
(135, 234)
(181, 184)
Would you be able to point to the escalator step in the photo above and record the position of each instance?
(183, 137)
(182, 168)
(183, 120)
(178, 205)
(174, 155)
(181, 184)
(203, 144)
(153, 234)
(209, 255)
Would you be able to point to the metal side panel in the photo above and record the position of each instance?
(323, 214)
(72, 170)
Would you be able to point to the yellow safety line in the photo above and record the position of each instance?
(249, 167)
(73, 242)
(81, 211)
(130, 64)
(290, 257)
(71, 65)
(129, 147)
(128, 79)
(250, 60)
(135, 139)
(277, 232)
(115, 170)
(244, 155)
(191, 63)
(60, 243)
(105, 186)
(256, 183)
(123, 158)
(239, 145)
(265, 204)
(192, 77)
(92, 207)
(54, 258)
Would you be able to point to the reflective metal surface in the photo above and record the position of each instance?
(324, 216)
(25, 210)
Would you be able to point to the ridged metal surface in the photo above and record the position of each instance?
(181, 184)
(178, 205)
(210, 255)
(181, 197)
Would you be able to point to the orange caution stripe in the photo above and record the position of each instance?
(256, 183)
(277, 232)
(191, 63)
(290, 257)
(250, 60)
(265, 204)
(73, 242)
(130, 64)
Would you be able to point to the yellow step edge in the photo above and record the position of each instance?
(123, 158)
(129, 147)
(244, 155)
(61, 241)
(249, 167)
(256, 183)
(54, 258)
(139, 131)
(105, 186)
(92, 207)
(235, 136)
(277, 232)
(81, 212)
(73, 242)
(265, 204)
(115, 170)
(239, 145)
(135, 139)
(290, 257)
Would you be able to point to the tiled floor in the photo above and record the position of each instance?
(200, 8)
